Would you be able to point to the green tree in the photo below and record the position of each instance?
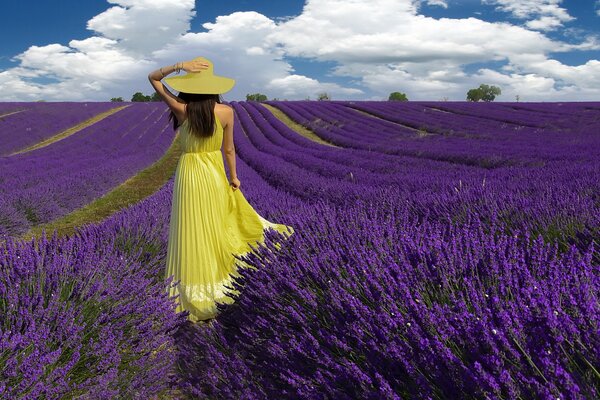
(323, 96)
(397, 96)
(155, 97)
(256, 97)
(474, 95)
(139, 96)
(483, 92)
(116, 99)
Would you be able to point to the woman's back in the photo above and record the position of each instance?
(191, 143)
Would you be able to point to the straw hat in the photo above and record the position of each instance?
(201, 82)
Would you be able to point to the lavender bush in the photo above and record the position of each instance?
(82, 318)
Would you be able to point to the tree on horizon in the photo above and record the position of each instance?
(323, 96)
(256, 97)
(397, 96)
(483, 92)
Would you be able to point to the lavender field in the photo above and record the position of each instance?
(46, 183)
(442, 250)
(24, 124)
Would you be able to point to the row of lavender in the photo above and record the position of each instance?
(377, 295)
(47, 183)
(553, 116)
(25, 124)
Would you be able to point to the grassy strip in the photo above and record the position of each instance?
(129, 192)
(70, 131)
(10, 113)
(295, 126)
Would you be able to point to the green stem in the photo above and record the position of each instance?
(529, 360)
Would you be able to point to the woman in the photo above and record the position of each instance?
(211, 221)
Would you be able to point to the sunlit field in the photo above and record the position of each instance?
(442, 250)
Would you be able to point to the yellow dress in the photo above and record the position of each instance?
(209, 223)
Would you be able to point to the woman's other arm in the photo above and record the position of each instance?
(229, 148)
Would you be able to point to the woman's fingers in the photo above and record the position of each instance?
(195, 66)
(200, 64)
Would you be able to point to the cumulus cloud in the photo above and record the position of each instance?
(441, 3)
(542, 15)
(398, 34)
(378, 47)
(141, 26)
(295, 85)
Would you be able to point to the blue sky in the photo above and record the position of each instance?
(429, 49)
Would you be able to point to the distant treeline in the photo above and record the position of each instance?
(482, 93)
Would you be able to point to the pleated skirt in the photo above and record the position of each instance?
(209, 224)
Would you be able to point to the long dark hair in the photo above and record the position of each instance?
(199, 113)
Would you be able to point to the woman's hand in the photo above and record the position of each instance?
(194, 66)
(235, 183)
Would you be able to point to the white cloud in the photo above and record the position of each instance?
(92, 68)
(543, 15)
(440, 3)
(516, 84)
(297, 86)
(141, 26)
(414, 39)
(598, 7)
(544, 23)
(255, 51)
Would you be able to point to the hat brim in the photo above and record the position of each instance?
(201, 84)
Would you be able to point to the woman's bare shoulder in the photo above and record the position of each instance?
(223, 107)
(225, 113)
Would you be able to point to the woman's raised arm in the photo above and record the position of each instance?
(175, 103)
